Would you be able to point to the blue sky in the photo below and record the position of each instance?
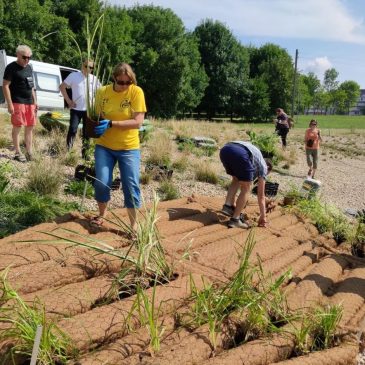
(327, 33)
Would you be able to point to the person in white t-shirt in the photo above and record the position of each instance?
(77, 82)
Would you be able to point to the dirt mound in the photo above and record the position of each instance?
(74, 283)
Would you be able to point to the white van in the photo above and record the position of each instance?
(47, 79)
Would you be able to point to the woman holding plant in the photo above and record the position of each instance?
(312, 138)
(122, 107)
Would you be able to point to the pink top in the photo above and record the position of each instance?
(312, 134)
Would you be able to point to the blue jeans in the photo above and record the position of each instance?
(129, 163)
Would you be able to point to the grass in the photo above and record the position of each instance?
(22, 321)
(204, 172)
(160, 147)
(260, 303)
(317, 330)
(22, 209)
(168, 190)
(44, 177)
(77, 188)
(148, 315)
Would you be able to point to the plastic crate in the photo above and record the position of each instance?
(271, 189)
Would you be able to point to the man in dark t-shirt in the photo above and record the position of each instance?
(18, 89)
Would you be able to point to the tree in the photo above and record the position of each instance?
(275, 66)
(351, 91)
(165, 58)
(28, 22)
(330, 85)
(258, 100)
(226, 64)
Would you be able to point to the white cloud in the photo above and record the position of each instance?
(318, 66)
(306, 19)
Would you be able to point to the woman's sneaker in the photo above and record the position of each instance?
(228, 210)
(237, 222)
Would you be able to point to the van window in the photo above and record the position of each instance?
(47, 82)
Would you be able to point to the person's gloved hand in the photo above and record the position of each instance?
(103, 125)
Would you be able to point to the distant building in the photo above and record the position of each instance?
(359, 108)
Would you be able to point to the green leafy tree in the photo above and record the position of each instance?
(351, 90)
(164, 59)
(330, 85)
(34, 24)
(275, 66)
(226, 64)
(258, 100)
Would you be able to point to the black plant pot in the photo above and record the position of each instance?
(83, 172)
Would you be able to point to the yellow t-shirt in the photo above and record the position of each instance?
(119, 106)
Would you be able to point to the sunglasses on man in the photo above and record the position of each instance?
(121, 82)
(25, 58)
(89, 67)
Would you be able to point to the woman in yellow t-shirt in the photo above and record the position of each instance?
(122, 105)
(311, 139)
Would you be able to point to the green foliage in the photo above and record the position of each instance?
(44, 177)
(259, 305)
(226, 64)
(326, 218)
(22, 209)
(77, 188)
(168, 190)
(318, 329)
(163, 49)
(266, 143)
(274, 65)
(148, 315)
(22, 321)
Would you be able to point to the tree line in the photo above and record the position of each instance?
(205, 72)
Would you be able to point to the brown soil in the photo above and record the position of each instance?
(74, 284)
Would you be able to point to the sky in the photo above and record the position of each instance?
(326, 33)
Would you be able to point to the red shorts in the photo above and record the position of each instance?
(24, 115)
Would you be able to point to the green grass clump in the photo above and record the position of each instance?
(205, 173)
(256, 296)
(44, 177)
(326, 218)
(22, 321)
(22, 209)
(317, 330)
(77, 188)
(168, 190)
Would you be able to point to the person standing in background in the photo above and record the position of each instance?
(312, 138)
(281, 125)
(77, 82)
(20, 96)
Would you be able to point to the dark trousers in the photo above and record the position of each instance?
(77, 116)
(282, 132)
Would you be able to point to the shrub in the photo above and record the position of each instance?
(205, 173)
(168, 190)
(77, 188)
(44, 177)
(181, 164)
(71, 159)
(266, 143)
